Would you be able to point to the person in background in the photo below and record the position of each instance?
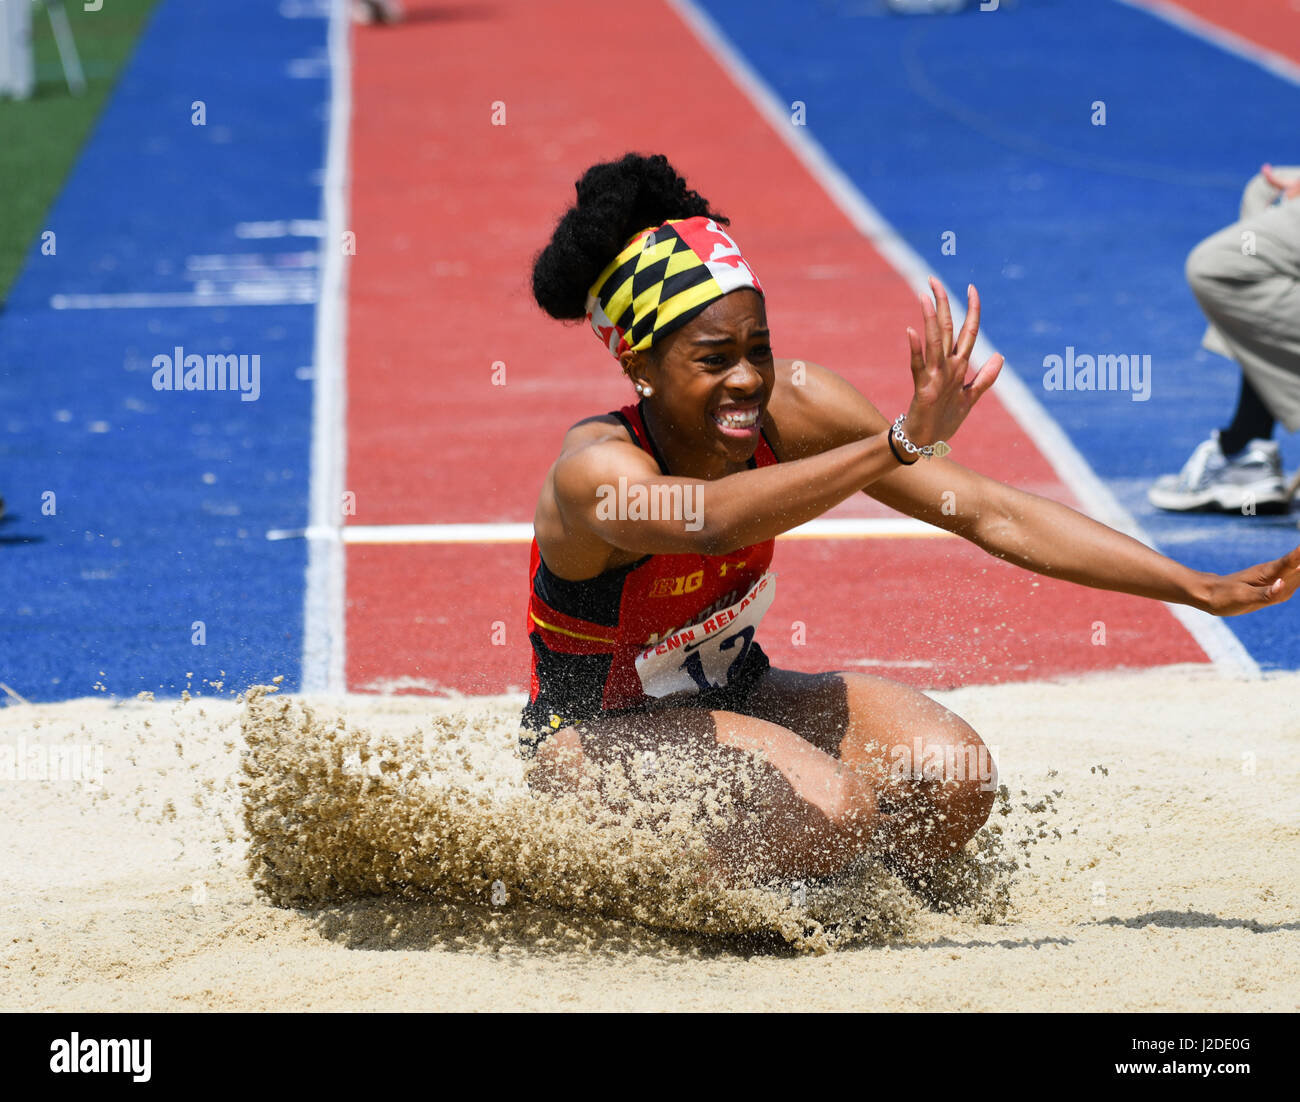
(1246, 278)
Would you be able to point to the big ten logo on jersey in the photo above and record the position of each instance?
(676, 587)
(689, 583)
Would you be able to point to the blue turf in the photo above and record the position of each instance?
(1075, 234)
(162, 513)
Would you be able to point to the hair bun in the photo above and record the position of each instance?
(615, 200)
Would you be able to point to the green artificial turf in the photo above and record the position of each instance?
(41, 137)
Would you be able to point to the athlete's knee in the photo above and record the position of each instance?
(955, 778)
(965, 797)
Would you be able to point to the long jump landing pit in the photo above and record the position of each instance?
(1153, 816)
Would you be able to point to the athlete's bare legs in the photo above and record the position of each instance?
(842, 774)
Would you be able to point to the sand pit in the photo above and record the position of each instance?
(1154, 818)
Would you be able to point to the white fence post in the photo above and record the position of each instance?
(17, 68)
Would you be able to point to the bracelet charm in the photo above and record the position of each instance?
(938, 448)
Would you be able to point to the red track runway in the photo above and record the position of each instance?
(449, 210)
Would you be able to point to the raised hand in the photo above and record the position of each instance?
(945, 386)
(1268, 583)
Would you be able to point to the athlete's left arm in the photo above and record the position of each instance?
(817, 409)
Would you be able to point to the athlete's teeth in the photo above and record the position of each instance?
(738, 420)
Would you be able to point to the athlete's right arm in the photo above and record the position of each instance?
(613, 490)
(607, 488)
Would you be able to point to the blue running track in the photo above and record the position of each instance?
(1076, 234)
(207, 237)
(154, 564)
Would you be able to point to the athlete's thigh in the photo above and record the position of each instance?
(717, 739)
(932, 776)
(857, 717)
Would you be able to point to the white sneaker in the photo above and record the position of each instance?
(1249, 482)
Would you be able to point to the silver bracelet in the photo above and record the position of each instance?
(938, 448)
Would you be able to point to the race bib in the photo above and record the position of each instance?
(708, 654)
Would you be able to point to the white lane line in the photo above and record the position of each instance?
(246, 279)
(1222, 647)
(279, 293)
(305, 9)
(835, 528)
(324, 625)
(1187, 21)
(824, 528)
(289, 266)
(292, 227)
(307, 68)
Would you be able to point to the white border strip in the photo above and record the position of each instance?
(260, 294)
(830, 528)
(1225, 39)
(324, 625)
(833, 528)
(1222, 647)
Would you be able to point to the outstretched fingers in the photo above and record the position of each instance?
(918, 356)
(971, 328)
(944, 312)
(938, 362)
(1286, 572)
(1268, 583)
(939, 343)
(934, 354)
(985, 377)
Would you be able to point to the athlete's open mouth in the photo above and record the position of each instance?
(739, 419)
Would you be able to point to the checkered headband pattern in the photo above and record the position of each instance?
(665, 276)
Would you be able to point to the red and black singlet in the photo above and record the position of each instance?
(590, 638)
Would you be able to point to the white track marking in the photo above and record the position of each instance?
(294, 227)
(293, 266)
(1184, 20)
(307, 68)
(324, 623)
(245, 279)
(845, 528)
(1222, 647)
(306, 9)
(282, 293)
(832, 528)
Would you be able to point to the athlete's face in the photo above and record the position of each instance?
(712, 379)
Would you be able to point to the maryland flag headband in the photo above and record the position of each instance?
(665, 276)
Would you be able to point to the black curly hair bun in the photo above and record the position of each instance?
(615, 199)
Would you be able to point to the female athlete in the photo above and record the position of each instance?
(654, 534)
